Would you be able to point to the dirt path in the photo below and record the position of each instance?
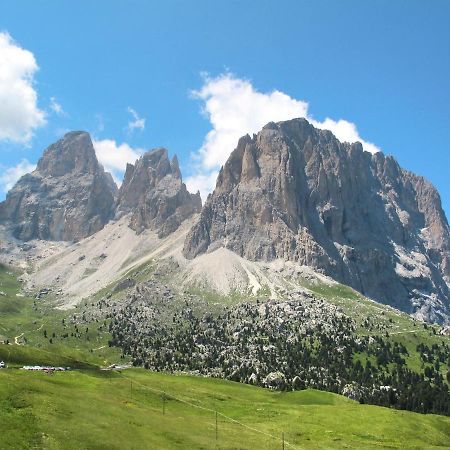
(405, 331)
(16, 339)
(103, 346)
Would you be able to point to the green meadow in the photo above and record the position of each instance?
(137, 409)
(35, 327)
(88, 408)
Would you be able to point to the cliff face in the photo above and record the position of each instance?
(155, 195)
(296, 192)
(69, 196)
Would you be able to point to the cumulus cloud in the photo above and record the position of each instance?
(56, 107)
(234, 108)
(137, 123)
(345, 131)
(203, 181)
(114, 157)
(10, 175)
(19, 113)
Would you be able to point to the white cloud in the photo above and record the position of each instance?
(138, 123)
(19, 113)
(345, 131)
(202, 181)
(10, 176)
(114, 157)
(56, 107)
(234, 108)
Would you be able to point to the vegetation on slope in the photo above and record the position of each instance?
(291, 344)
(92, 410)
(161, 327)
(29, 322)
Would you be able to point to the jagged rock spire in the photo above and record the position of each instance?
(155, 195)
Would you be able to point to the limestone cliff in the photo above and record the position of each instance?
(295, 192)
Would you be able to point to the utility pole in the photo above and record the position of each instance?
(216, 428)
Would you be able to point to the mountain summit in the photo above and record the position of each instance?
(155, 195)
(69, 196)
(291, 192)
(295, 192)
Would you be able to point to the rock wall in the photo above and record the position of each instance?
(297, 193)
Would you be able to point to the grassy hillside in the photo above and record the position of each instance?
(92, 410)
(374, 319)
(26, 322)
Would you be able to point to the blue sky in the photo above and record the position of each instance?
(383, 66)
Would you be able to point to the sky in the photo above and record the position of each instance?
(195, 76)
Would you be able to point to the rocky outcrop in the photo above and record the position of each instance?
(68, 197)
(155, 195)
(297, 193)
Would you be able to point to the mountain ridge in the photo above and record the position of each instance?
(295, 192)
(69, 196)
(291, 192)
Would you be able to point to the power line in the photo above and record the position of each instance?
(255, 430)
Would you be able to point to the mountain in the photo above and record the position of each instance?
(68, 197)
(155, 195)
(290, 193)
(251, 302)
(294, 192)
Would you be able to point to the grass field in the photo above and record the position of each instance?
(92, 409)
(99, 410)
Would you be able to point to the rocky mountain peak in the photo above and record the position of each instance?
(69, 196)
(295, 192)
(155, 195)
(175, 168)
(74, 153)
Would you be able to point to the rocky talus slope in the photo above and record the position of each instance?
(68, 197)
(155, 195)
(296, 193)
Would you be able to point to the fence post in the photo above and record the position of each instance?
(216, 428)
(164, 403)
(282, 441)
